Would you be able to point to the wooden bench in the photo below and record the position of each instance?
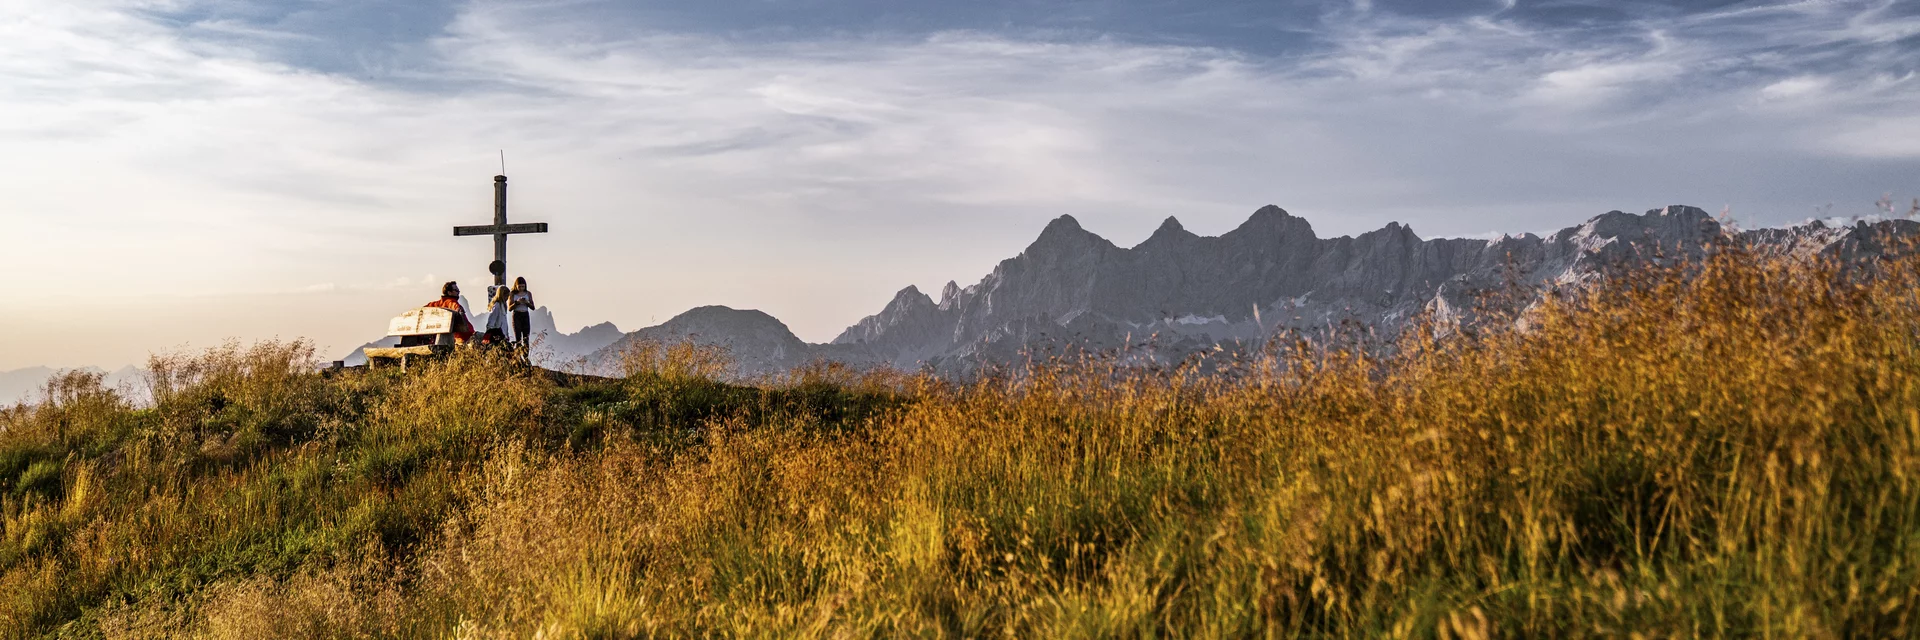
(426, 332)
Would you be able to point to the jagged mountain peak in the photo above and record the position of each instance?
(1065, 236)
(949, 295)
(1393, 230)
(1273, 221)
(1170, 231)
(910, 311)
(910, 297)
(1065, 229)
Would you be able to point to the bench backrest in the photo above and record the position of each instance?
(424, 321)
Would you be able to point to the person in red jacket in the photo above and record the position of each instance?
(450, 300)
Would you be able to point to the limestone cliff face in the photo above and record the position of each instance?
(1179, 292)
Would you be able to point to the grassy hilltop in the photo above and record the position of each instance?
(1729, 450)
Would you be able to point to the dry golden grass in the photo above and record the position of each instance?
(1729, 449)
(680, 360)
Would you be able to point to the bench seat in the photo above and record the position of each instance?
(398, 352)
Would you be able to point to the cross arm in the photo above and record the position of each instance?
(500, 229)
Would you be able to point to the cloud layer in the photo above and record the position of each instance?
(255, 171)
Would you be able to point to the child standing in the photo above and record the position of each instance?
(497, 329)
(522, 305)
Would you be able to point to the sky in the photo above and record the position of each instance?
(178, 173)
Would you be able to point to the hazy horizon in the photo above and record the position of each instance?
(182, 172)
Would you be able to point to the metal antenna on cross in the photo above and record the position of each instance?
(500, 229)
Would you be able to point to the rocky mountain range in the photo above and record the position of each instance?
(1184, 292)
(1177, 291)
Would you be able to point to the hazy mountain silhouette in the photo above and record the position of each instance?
(29, 384)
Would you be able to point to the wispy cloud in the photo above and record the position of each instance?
(185, 143)
(1795, 87)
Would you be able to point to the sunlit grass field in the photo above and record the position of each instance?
(1729, 448)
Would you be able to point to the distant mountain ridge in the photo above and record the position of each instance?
(1071, 286)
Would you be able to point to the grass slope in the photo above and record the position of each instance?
(1729, 449)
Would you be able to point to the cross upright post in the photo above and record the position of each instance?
(500, 220)
(500, 230)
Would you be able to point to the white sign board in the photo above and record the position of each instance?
(424, 321)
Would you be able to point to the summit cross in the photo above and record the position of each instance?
(500, 230)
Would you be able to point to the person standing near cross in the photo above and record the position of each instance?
(521, 301)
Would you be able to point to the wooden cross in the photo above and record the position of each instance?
(500, 230)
